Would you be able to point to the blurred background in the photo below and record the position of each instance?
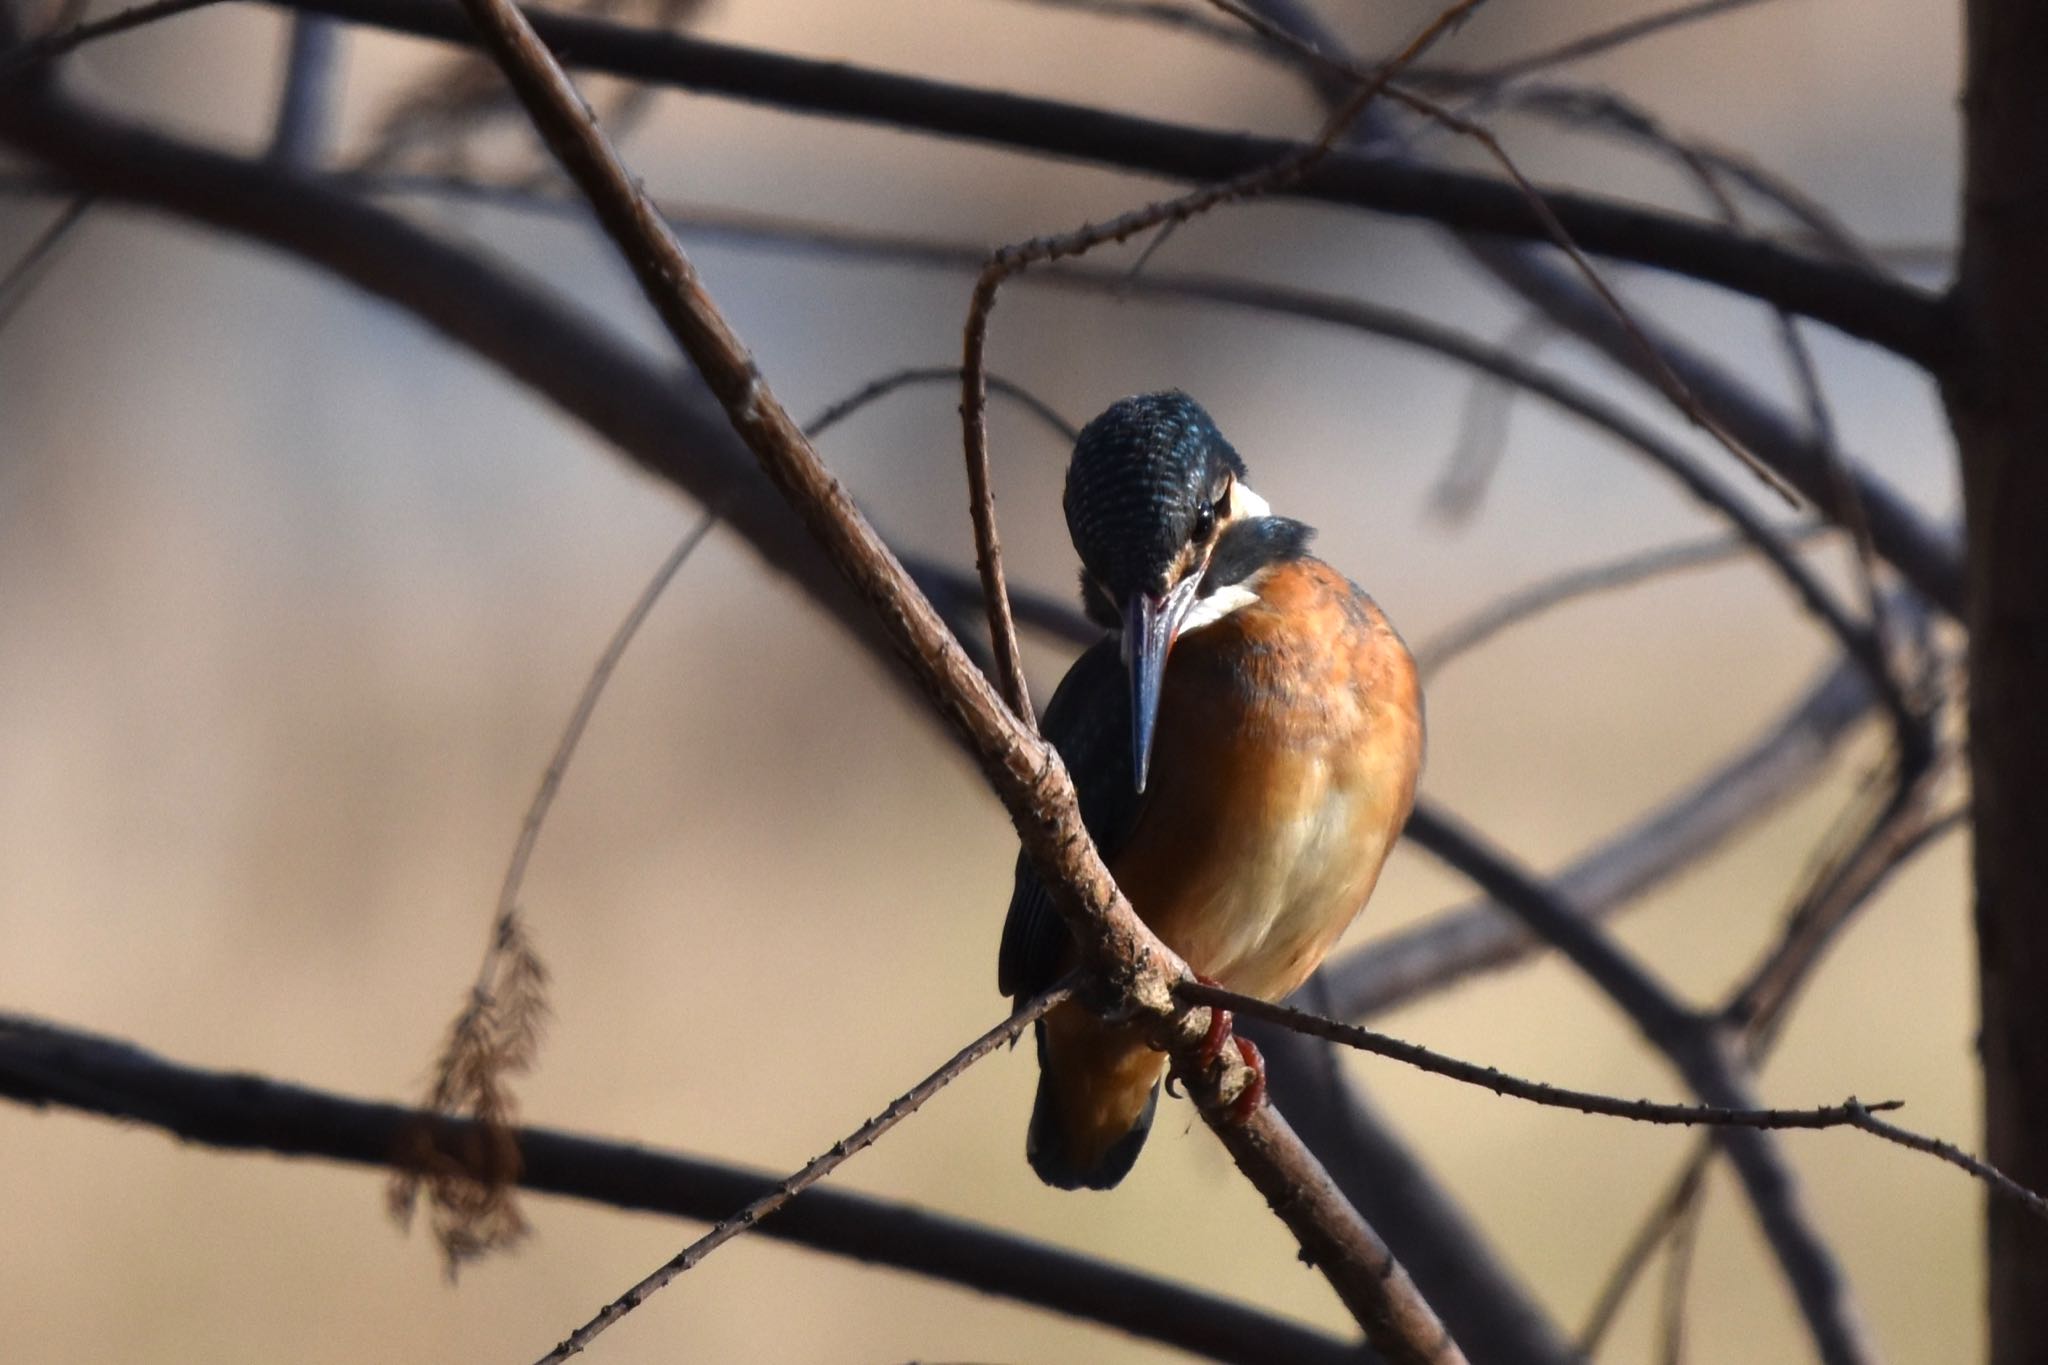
(295, 597)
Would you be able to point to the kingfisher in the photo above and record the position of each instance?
(1245, 743)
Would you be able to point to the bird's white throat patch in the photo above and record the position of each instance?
(1207, 611)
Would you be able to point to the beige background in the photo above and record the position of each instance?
(293, 601)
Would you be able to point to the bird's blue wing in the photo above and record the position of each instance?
(1088, 721)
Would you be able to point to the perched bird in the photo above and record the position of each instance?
(1245, 744)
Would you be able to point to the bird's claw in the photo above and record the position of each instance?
(1253, 1094)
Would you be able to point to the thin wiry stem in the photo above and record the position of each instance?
(1664, 1216)
(2000, 1183)
(33, 265)
(497, 1032)
(1851, 1113)
(820, 1166)
(1523, 605)
(1535, 1092)
(1355, 314)
(1667, 378)
(915, 375)
(1678, 1262)
(586, 706)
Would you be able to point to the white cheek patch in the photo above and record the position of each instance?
(1207, 611)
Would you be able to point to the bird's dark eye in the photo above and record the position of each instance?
(1209, 513)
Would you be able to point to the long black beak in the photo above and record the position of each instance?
(1150, 624)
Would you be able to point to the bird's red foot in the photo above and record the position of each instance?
(1220, 1032)
(1219, 1028)
(1254, 1093)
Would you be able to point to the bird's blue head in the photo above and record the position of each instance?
(1170, 538)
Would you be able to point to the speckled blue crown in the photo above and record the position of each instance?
(1139, 473)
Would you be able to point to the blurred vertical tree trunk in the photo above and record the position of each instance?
(1998, 401)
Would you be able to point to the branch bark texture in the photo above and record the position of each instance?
(1998, 405)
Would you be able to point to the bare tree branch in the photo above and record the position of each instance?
(1780, 762)
(1701, 1054)
(1414, 330)
(1886, 313)
(45, 1065)
(1927, 553)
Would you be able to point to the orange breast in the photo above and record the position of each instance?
(1289, 740)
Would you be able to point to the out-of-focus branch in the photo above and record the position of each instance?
(1378, 320)
(1493, 1316)
(304, 104)
(1701, 1053)
(1021, 768)
(1928, 554)
(1525, 604)
(1452, 946)
(1911, 322)
(1887, 313)
(44, 1065)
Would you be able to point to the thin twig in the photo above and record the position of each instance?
(1678, 1262)
(33, 265)
(1663, 1217)
(859, 1140)
(1500, 1083)
(2000, 1183)
(497, 1032)
(586, 706)
(911, 376)
(1481, 440)
(1625, 571)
